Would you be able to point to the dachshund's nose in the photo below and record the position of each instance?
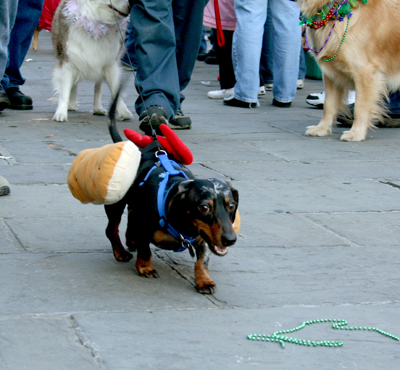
(228, 239)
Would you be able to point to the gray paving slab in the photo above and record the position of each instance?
(195, 340)
(319, 239)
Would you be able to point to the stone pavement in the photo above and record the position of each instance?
(319, 239)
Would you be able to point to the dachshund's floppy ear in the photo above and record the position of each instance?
(235, 193)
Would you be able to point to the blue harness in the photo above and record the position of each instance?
(171, 169)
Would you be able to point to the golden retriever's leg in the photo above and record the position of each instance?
(98, 108)
(333, 101)
(35, 42)
(369, 87)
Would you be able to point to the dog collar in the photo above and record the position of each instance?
(170, 168)
(95, 29)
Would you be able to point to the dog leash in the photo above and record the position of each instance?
(280, 336)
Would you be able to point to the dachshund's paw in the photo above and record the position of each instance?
(206, 287)
(146, 269)
(122, 255)
(148, 273)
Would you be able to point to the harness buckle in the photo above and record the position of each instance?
(185, 243)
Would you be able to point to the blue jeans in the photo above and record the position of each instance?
(247, 44)
(8, 13)
(167, 34)
(28, 15)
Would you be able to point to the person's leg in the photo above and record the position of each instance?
(224, 55)
(8, 12)
(246, 48)
(27, 19)
(286, 53)
(157, 79)
(266, 64)
(188, 20)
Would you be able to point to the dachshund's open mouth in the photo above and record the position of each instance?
(119, 12)
(216, 249)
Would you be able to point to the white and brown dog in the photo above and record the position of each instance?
(362, 53)
(88, 44)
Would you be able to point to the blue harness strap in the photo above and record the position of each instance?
(171, 169)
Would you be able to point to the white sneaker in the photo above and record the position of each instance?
(268, 87)
(300, 83)
(316, 99)
(261, 90)
(220, 94)
(351, 99)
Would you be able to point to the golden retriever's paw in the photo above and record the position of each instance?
(100, 111)
(125, 114)
(60, 117)
(318, 131)
(353, 135)
(72, 107)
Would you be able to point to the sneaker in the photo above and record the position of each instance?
(268, 87)
(233, 102)
(4, 186)
(153, 117)
(300, 83)
(220, 94)
(351, 99)
(261, 90)
(281, 104)
(18, 100)
(4, 101)
(180, 121)
(316, 99)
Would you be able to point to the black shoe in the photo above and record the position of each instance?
(18, 100)
(180, 121)
(281, 104)
(211, 60)
(201, 57)
(233, 102)
(4, 101)
(153, 116)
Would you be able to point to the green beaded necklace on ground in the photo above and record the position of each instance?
(337, 324)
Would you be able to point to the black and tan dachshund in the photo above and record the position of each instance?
(197, 214)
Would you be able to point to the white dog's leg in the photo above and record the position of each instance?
(98, 108)
(72, 105)
(63, 81)
(369, 87)
(333, 100)
(112, 76)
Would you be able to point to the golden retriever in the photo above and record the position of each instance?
(368, 62)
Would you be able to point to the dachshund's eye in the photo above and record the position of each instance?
(204, 208)
(231, 206)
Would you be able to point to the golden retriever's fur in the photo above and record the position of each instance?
(368, 62)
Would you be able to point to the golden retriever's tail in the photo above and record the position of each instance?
(112, 126)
